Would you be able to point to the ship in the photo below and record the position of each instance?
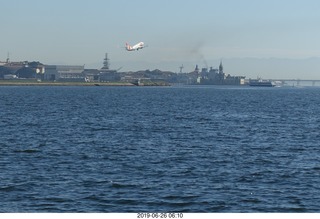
(261, 83)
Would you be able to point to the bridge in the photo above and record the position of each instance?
(298, 82)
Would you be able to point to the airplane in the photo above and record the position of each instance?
(135, 47)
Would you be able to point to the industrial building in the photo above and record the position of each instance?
(64, 73)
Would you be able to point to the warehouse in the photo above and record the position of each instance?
(64, 73)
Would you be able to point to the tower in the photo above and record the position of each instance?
(196, 69)
(221, 68)
(8, 58)
(181, 67)
(106, 62)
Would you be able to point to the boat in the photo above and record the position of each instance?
(261, 83)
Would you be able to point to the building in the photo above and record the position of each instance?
(92, 75)
(107, 75)
(218, 77)
(21, 70)
(64, 73)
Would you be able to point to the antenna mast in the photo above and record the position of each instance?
(106, 63)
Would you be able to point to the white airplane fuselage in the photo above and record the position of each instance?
(135, 47)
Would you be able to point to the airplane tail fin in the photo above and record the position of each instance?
(128, 47)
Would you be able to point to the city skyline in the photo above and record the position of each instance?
(252, 38)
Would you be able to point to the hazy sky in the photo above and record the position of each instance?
(176, 31)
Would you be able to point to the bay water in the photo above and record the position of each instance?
(159, 149)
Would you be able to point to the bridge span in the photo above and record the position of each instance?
(297, 82)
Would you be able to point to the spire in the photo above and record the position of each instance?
(221, 67)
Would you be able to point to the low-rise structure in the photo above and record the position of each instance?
(64, 73)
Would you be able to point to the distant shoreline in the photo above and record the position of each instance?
(36, 83)
(32, 83)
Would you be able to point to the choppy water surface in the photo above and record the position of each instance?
(147, 149)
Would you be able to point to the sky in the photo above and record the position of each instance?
(273, 39)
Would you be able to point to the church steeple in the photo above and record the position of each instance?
(221, 68)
